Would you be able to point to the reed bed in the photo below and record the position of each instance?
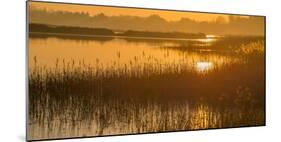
(77, 99)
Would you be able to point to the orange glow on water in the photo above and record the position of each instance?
(204, 66)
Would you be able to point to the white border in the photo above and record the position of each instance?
(13, 65)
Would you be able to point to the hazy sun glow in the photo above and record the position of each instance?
(117, 11)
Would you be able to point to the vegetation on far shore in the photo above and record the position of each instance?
(42, 28)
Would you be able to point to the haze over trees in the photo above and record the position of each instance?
(234, 25)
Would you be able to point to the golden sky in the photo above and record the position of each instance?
(115, 11)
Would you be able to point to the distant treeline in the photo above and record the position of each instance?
(42, 28)
(222, 25)
(69, 30)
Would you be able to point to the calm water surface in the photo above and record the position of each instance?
(117, 52)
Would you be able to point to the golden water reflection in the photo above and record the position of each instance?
(204, 66)
(118, 53)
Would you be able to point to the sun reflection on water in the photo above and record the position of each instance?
(210, 36)
(202, 67)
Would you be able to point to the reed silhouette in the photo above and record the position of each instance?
(145, 97)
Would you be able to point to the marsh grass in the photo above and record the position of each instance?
(77, 99)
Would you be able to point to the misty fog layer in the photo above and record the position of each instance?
(235, 25)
